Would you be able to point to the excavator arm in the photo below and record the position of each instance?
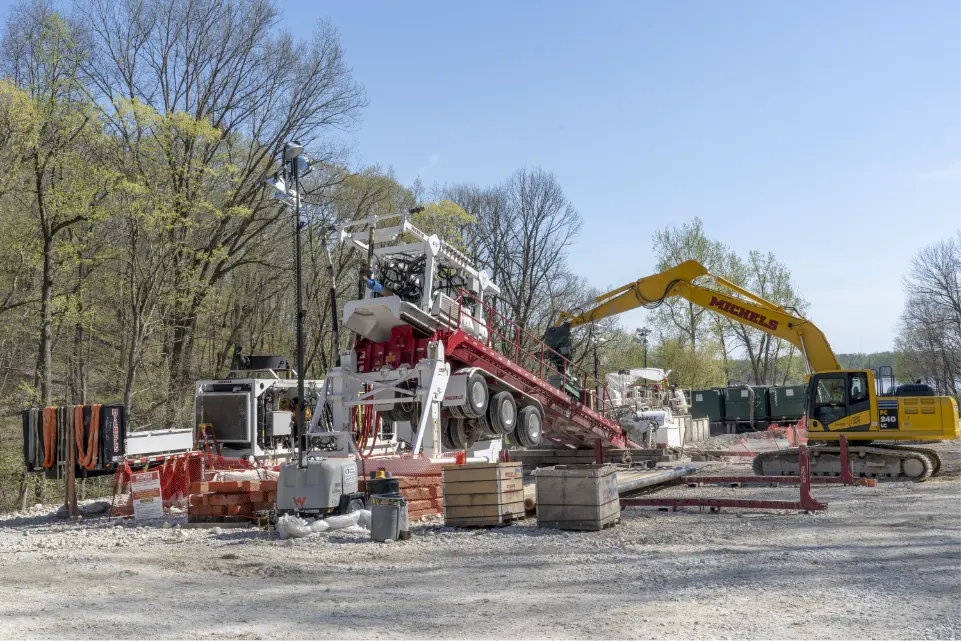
(749, 309)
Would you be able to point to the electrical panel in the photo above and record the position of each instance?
(281, 423)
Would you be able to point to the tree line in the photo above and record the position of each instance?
(141, 244)
(928, 341)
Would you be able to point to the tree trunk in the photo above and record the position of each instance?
(131, 365)
(78, 379)
(45, 349)
(726, 360)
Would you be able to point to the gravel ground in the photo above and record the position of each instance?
(881, 563)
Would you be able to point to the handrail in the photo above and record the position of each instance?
(537, 356)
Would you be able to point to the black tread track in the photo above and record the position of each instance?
(928, 457)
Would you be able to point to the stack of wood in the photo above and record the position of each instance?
(213, 499)
(483, 494)
(424, 494)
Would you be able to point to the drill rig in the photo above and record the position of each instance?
(422, 301)
(867, 408)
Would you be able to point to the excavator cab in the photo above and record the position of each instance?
(865, 408)
(841, 401)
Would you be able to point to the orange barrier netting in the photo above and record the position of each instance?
(198, 484)
(775, 437)
(201, 484)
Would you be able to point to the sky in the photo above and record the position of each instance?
(828, 133)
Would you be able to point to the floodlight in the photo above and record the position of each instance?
(292, 150)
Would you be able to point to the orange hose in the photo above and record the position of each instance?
(49, 436)
(87, 455)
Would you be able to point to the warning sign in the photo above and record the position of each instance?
(145, 493)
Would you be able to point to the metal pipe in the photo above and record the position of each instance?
(301, 432)
(625, 486)
(334, 321)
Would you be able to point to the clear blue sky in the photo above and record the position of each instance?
(827, 133)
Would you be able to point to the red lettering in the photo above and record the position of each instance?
(741, 312)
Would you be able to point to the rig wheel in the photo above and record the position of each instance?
(462, 433)
(484, 430)
(445, 437)
(529, 426)
(502, 413)
(478, 396)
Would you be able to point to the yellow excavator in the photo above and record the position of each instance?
(856, 403)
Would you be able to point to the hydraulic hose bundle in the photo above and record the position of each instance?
(99, 433)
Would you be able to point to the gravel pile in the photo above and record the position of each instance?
(881, 563)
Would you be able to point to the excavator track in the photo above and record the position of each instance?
(873, 461)
(927, 451)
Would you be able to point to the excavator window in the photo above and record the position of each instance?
(859, 387)
(830, 399)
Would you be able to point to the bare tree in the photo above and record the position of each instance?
(764, 275)
(673, 246)
(929, 337)
(522, 232)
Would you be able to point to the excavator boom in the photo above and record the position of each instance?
(748, 308)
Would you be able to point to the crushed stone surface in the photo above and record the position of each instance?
(881, 563)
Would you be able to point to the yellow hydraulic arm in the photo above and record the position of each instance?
(750, 310)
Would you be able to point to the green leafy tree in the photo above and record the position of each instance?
(772, 360)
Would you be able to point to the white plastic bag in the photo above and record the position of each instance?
(339, 522)
(364, 519)
(354, 529)
(320, 525)
(292, 527)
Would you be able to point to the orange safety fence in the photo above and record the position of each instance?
(420, 480)
(775, 437)
(205, 485)
(200, 484)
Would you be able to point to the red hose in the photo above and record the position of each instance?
(49, 437)
(87, 454)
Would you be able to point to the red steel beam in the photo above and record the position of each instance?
(806, 502)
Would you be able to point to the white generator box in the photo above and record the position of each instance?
(281, 423)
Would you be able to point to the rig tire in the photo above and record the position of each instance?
(530, 426)
(445, 437)
(463, 434)
(478, 396)
(502, 413)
